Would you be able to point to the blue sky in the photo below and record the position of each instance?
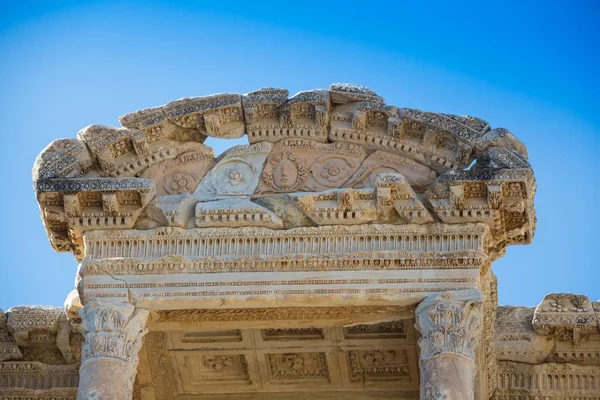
(532, 68)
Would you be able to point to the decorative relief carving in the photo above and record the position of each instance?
(183, 173)
(64, 158)
(388, 330)
(249, 241)
(112, 330)
(218, 363)
(549, 381)
(72, 206)
(378, 261)
(213, 371)
(379, 162)
(163, 143)
(294, 366)
(373, 126)
(342, 93)
(568, 316)
(236, 173)
(125, 152)
(378, 364)
(219, 115)
(29, 324)
(235, 212)
(285, 172)
(339, 206)
(272, 314)
(8, 347)
(449, 323)
(297, 165)
(394, 192)
(502, 198)
(449, 139)
(272, 117)
(33, 379)
(292, 334)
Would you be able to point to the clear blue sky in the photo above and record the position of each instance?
(530, 66)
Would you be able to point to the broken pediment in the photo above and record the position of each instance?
(320, 157)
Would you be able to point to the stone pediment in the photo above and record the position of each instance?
(322, 157)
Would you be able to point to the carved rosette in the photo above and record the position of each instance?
(113, 337)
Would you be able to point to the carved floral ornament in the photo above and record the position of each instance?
(113, 331)
(449, 323)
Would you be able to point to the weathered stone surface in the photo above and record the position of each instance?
(113, 337)
(299, 165)
(449, 324)
(73, 304)
(183, 173)
(379, 162)
(69, 207)
(125, 152)
(218, 115)
(500, 137)
(25, 321)
(566, 315)
(173, 210)
(515, 339)
(293, 266)
(342, 93)
(234, 212)
(305, 115)
(236, 173)
(339, 206)
(284, 207)
(393, 191)
(64, 158)
(8, 347)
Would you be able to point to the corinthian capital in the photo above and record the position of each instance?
(449, 322)
(112, 330)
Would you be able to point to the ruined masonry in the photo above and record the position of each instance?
(344, 253)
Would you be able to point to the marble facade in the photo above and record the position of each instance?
(345, 252)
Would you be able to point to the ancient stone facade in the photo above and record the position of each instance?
(345, 252)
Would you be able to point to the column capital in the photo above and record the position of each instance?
(449, 322)
(112, 330)
(113, 335)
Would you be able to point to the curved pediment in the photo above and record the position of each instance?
(321, 157)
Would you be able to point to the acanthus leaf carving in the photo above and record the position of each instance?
(449, 323)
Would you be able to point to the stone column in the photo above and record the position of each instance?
(449, 324)
(113, 335)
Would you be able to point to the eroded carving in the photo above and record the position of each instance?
(236, 173)
(379, 162)
(113, 335)
(235, 212)
(566, 315)
(183, 173)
